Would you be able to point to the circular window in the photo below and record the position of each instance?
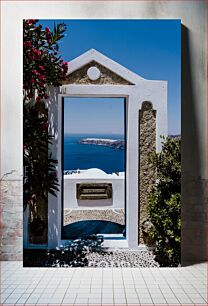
(93, 73)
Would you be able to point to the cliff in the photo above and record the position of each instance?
(112, 143)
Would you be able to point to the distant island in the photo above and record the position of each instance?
(112, 143)
(175, 136)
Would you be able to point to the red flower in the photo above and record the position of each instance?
(32, 81)
(27, 44)
(31, 57)
(46, 96)
(65, 67)
(42, 68)
(32, 21)
(37, 53)
(38, 99)
(41, 77)
(48, 37)
(47, 29)
(35, 72)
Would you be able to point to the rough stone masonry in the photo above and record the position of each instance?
(147, 146)
(11, 219)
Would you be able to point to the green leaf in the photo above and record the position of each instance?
(164, 202)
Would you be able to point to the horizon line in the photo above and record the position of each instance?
(93, 133)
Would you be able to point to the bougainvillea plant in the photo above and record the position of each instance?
(42, 63)
(42, 66)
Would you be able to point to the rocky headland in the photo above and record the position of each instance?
(112, 143)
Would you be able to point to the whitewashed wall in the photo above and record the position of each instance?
(71, 201)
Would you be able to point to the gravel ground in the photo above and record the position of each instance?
(103, 258)
(122, 258)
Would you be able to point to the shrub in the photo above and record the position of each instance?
(164, 205)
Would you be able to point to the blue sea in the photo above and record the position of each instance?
(84, 156)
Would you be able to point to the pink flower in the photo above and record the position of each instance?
(32, 81)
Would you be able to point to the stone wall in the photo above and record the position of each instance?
(113, 215)
(147, 145)
(11, 220)
(107, 77)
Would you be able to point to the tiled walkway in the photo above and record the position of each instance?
(103, 286)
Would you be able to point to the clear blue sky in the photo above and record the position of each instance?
(150, 48)
(94, 115)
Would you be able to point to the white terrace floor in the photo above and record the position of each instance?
(103, 286)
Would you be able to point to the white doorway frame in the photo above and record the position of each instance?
(109, 91)
(135, 95)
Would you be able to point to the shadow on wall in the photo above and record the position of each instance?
(193, 233)
(95, 203)
(91, 227)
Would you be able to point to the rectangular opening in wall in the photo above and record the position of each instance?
(94, 167)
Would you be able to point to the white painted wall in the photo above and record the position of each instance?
(71, 201)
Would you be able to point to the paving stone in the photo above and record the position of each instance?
(187, 293)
